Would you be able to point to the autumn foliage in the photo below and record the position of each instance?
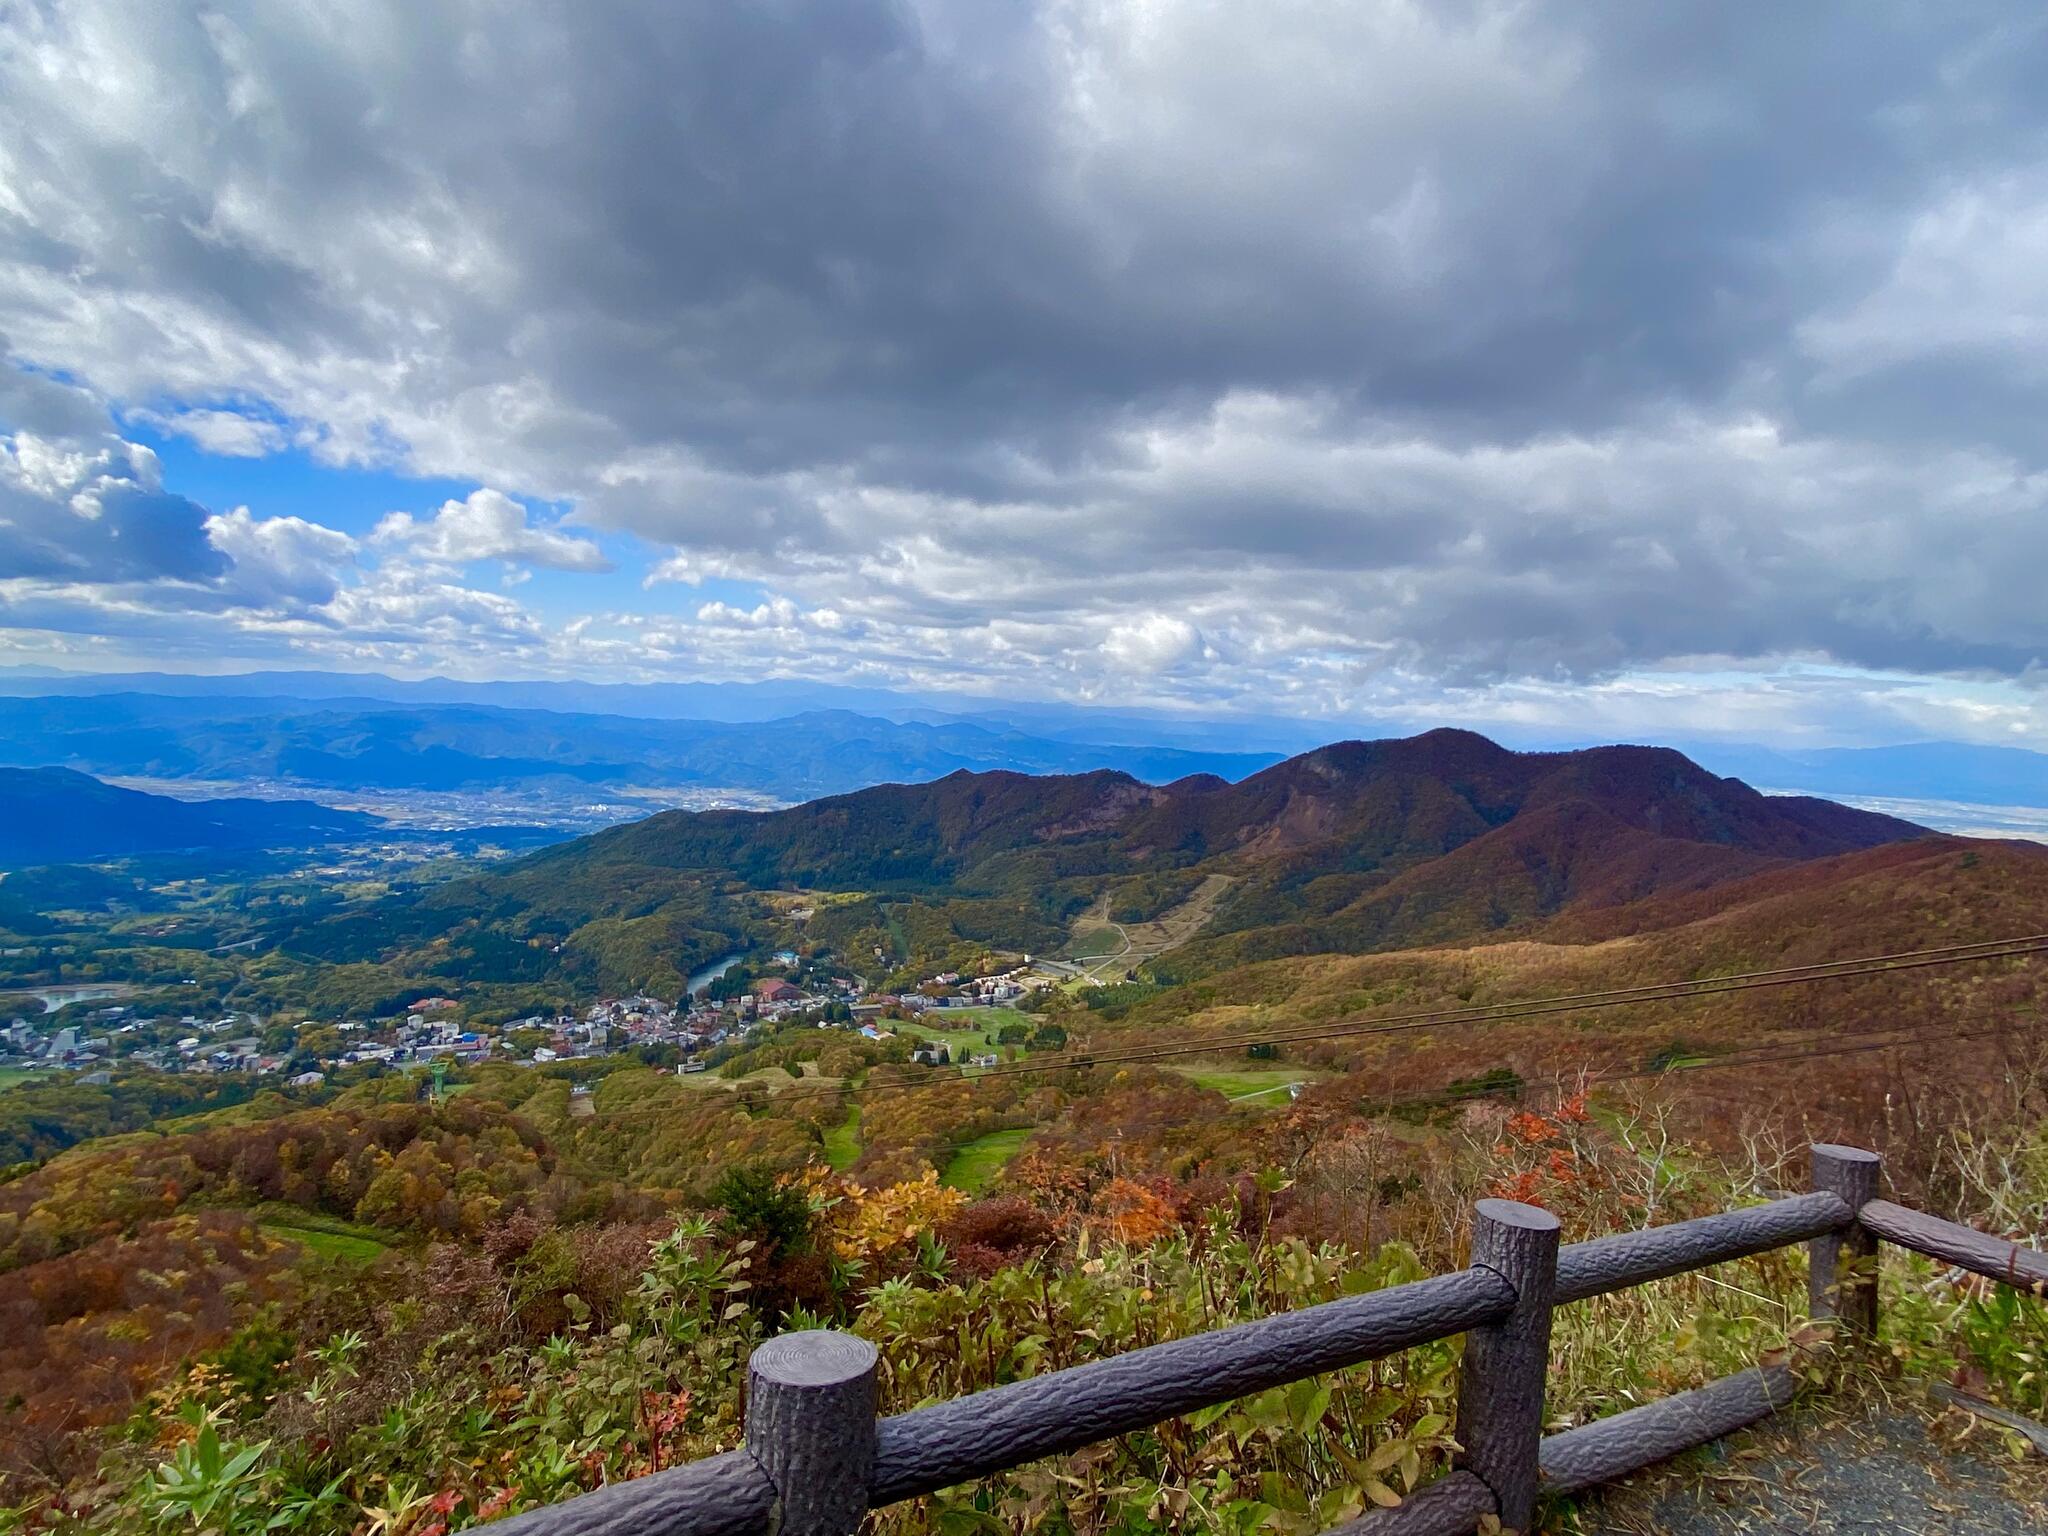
(447, 1170)
(84, 1334)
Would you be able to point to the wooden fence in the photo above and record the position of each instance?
(817, 1458)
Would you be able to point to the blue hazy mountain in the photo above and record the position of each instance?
(53, 816)
(1030, 736)
(1927, 770)
(732, 703)
(357, 744)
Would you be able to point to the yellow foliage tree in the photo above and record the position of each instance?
(872, 1223)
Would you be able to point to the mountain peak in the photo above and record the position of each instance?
(1440, 838)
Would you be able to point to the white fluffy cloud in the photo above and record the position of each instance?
(778, 613)
(281, 558)
(488, 525)
(95, 509)
(1151, 643)
(99, 559)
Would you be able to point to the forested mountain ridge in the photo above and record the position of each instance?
(1419, 796)
(53, 815)
(1353, 847)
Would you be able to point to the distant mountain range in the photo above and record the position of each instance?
(1927, 770)
(366, 744)
(1030, 737)
(54, 816)
(730, 702)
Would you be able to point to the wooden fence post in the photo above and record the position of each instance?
(811, 1400)
(1500, 1390)
(1842, 1265)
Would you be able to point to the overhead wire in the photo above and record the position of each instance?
(1365, 1026)
(1568, 1003)
(1850, 1043)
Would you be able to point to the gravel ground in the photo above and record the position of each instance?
(1879, 1469)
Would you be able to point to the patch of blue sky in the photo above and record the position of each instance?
(354, 498)
(292, 483)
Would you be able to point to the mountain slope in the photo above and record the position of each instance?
(1889, 899)
(52, 815)
(1358, 846)
(1362, 803)
(1447, 836)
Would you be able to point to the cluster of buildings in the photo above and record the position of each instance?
(427, 1032)
(949, 989)
(431, 1029)
(110, 1035)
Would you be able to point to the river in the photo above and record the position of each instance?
(698, 980)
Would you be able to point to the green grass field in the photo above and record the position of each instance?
(1233, 1081)
(322, 1237)
(962, 1043)
(9, 1076)
(997, 1017)
(972, 1041)
(1093, 943)
(842, 1142)
(975, 1166)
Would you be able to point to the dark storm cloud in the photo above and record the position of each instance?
(825, 233)
(86, 515)
(76, 504)
(133, 535)
(1481, 340)
(49, 408)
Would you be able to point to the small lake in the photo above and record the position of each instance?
(697, 981)
(53, 998)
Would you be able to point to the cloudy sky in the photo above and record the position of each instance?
(1614, 368)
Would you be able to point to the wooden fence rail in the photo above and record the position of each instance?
(817, 1458)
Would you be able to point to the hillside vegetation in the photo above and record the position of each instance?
(190, 1343)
